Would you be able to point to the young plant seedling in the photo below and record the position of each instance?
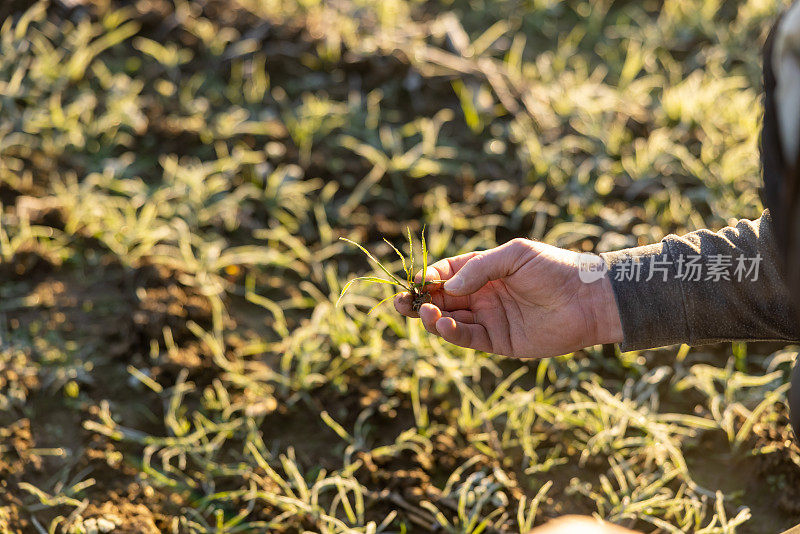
(420, 291)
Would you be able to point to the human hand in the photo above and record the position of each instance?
(523, 299)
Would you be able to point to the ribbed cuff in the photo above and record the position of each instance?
(649, 296)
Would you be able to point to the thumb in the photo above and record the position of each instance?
(491, 265)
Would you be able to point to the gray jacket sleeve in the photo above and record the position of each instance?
(703, 287)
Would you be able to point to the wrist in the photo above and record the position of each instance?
(603, 312)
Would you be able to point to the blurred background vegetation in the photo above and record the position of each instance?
(174, 177)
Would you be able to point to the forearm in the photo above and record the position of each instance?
(701, 288)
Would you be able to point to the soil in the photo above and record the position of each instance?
(90, 308)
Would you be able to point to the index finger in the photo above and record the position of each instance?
(443, 270)
(446, 268)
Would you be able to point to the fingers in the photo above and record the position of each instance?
(402, 303)
(455, 328)
(484, 267)
(473, 336)
(443, 301)
(465, 274)
(429, 314)
(441, 270)
(446, 268)
(430, 274)
(462, 316)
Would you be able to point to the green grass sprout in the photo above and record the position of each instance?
(420, 292)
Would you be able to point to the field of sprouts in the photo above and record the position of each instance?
(175, 176)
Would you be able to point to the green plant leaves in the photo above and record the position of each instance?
(369, 279)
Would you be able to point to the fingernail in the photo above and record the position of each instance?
(455, 284)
